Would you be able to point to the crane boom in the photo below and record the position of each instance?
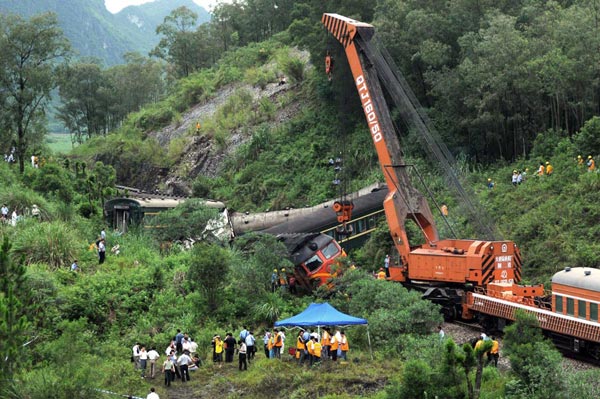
(403, 201)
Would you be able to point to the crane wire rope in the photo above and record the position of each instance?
(414, 116)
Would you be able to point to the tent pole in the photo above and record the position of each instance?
(369, 338)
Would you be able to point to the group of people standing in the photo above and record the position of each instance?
(180, 359)
(312, 348)
(245, 347)
(280, 280)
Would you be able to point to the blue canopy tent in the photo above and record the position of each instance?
(321, 315)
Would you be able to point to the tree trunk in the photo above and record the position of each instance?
(21, 146)
(478, 375)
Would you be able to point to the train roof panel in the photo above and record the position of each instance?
(580, 277)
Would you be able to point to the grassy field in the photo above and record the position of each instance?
(59, 143)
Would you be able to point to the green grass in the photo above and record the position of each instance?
(59, 143)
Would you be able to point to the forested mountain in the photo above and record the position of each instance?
(93, 31)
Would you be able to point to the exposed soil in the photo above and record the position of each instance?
(201, 156)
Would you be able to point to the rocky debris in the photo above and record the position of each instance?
(200, 155)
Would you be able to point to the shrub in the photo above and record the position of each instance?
(587, 140)
(294, 68)
(54, 243)
(53, 180)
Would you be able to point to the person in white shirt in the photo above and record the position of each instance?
(4, 212)
(282, 342)
(250, 342)
(153, 357)
(136, 355)
(193, 346)
(242, 352)
(183, 362)
(170, 348)
(101, 251)
(185, 344)
(143, 361)
(152, 394)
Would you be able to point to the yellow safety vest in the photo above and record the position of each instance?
(300, 344)
(317, 349)
(344, 344)
(310, 345)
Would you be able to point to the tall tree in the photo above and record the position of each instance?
(177, 45)
(29, 52)
(81, 111)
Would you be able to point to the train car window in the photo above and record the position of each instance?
(360, 226)
(581, 309)
(571, 306)
(594, 311)
(313, 263)
(330, 250)
(558, 304)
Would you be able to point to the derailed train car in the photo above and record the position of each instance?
(310, 234)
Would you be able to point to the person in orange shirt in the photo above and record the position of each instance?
(344, 345)
(541, 170)
(381, 274)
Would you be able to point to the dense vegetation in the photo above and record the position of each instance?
(65, 334)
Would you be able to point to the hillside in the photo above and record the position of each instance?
(95, 32)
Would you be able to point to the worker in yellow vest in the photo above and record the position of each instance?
(310, 347)
(381, 274)
(325, 343)
(217, 350)
(493, 354)
(344, 345)
(271, 344)
(317, 347)
(300, 347)
(591, 164)
(278, 343)
(549, 168)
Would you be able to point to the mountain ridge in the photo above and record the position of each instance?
(95, 32)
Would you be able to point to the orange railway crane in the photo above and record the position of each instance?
(444, 270)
